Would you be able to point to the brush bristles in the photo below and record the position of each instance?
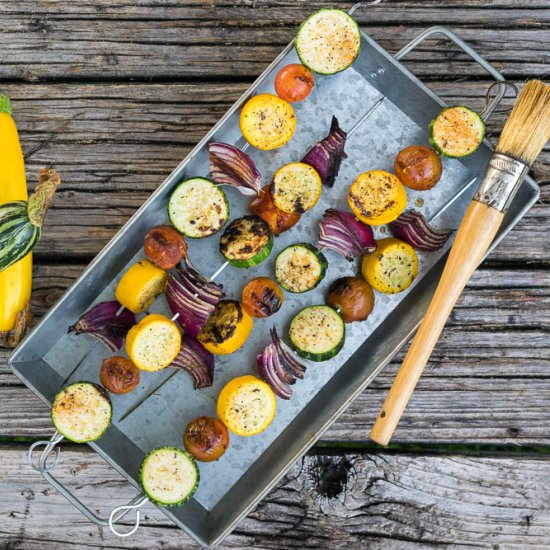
(528, 128)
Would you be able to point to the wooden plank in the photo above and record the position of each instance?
(330, 500)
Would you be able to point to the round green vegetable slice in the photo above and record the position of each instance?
(198, 208)
(328, 41)
(300, 267)
(169, 476)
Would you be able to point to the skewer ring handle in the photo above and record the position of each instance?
(120, 511)
(49, 446)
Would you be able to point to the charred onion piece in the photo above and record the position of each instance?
(206, 438)
(103, 322)
(345, 234)
(195, 360)
(352, 297)
(164, 246)
(262, 297)
(327, 155)
(118, 375)
(230, 166)
(264, 207)
(413, 228)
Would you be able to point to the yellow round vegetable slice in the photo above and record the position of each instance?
(267, 121)
(377, 197)
(246, 405)
(140, 285)
(296, 187)
(153, 343)
(392, 267)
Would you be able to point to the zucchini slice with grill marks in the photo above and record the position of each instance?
(169, 476)
(317, 333)
(300, 267)
(82, 412)
(198, 208)
(247, 241)
(296, 187)
(328, 41)
(457, 131)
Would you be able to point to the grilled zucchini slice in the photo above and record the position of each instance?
(246, 242)
(296, 187)
(169, 476)
(317, 333)
(198, 208)
(328, 41)
(300, 267)
(82, 412)
(457, 131)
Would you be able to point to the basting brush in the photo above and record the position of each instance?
(526, 132)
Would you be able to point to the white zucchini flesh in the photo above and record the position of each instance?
(169, 476)
(300, 268)
(156, 346)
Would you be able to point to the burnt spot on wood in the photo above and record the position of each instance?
(330, 475)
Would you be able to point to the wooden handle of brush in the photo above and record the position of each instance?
(473, 238)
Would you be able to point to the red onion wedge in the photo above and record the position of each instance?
(327, 155)
(413, 228)
(278, 366)
(345, 234)
(103, 322)
(230, 166)
(195, 360)
(193, 297)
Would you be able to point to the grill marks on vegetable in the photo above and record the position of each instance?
(221, 325)
(300, 267)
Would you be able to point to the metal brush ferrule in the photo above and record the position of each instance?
(501, 181)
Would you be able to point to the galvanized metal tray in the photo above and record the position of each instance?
(387, 108)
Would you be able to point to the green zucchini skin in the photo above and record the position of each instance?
(184, 223)
(440, 148)
(106, 421)
(315, 255)
(300, 38)
(190, 461)
(18, 235)
(309, 319)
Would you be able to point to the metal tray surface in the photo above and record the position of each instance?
(251, 466)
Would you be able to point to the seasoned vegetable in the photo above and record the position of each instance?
(226, 329)
(246, 242)
(326, 156)
(153, 343)
(82, 412)
(267, 121)
(118, 375)
(104, 322)
(198, 208)
(196, 361)
(392, 267)
(262, 297)
(230, 166)
(300, 267)
(345, 234)
(16, 280)
(328, 41)
(418, 167)
(377, 197)
(352, 297)
(264, 207)
(21, 221)
(296, 187)
(206, 438)
(246, 405)
(413, 228)
(457, 131)
(192, 297)
(294, 82)
(169, 476)
(317, 333)
(140, 285)
(164, 246)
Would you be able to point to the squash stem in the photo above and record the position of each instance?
(5, 104)
(42, 196)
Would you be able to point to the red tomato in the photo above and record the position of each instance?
(294, 82)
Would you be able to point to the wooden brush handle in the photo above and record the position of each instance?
(473, 238)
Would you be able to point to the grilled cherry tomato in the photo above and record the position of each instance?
(206, 438)
(294, 82)
(262, 297)
(164, 246)
(118, 375)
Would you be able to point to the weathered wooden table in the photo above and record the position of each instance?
(114, 95)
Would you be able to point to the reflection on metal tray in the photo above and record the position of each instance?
(403, 107)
